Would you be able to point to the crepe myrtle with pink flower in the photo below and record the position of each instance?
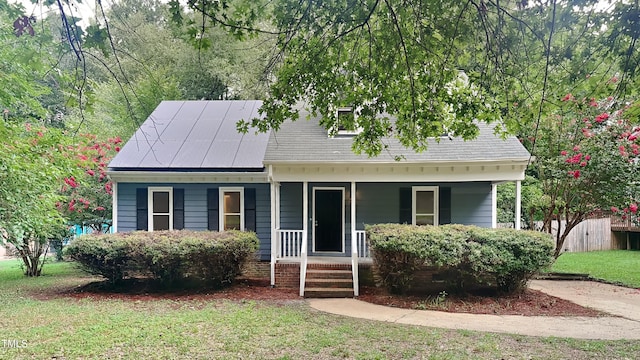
(587, 156)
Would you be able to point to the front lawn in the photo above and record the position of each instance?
(619, 266)
(39, 316)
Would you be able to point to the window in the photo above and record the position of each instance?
(231, 208)
(160, 208)
(425, 205)
(347, 124)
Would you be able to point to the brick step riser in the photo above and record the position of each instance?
(329, 276)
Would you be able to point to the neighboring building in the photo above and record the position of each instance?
(305, 194)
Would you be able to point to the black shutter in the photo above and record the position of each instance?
(405, 206)
(212, 209)
(250, 209)
(444, 211)
(178, 209)
(142, 207)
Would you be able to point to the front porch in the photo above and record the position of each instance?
(318, 221)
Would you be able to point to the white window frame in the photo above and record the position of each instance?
(349, 109)
(221, 212)
(436, 202)
(150, 191)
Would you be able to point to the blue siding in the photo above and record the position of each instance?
(380, 203)
(195, 204)
(471, 204)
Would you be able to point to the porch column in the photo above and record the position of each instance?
(114, 207)
(274, 233)
(305, 213)
(494, 205)
(354, 242)
(518, 203)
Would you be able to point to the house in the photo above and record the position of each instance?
(305, 193)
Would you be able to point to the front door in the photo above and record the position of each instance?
(328, 233)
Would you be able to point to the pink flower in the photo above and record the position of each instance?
(91, 172)
(567, 97)
(576, 174)
(614, 209)
(593, 102)
(602, 117)
(71, 181)
(583, 164)
(27, 126)
(576, 148)
(587, 157)
(563, 152)
(633, 208)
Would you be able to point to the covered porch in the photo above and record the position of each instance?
(318, 218)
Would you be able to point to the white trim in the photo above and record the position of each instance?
(152, 176)
(399, 172)
(150, 213)
(114, 206)
(436, 202)
(221, 213)
(494, 206)
(337, 131)
(342, 216)
(272, 266)
(518, 204)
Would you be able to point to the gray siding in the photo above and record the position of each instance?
(195, 205)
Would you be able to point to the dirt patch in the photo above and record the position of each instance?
(529, 303)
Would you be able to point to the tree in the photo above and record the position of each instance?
(586, 161)
(88, 195)
(32, 165)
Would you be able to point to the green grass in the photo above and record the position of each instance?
(619, 266)
(54, 325)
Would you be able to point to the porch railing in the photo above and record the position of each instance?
(361, 244)
(289, 244)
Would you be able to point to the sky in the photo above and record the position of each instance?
(84, 9)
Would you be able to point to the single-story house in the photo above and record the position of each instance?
(303, 191)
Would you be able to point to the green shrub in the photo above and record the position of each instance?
(211, 258)
(467, 255)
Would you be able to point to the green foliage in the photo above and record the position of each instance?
(212, 258)
(32, 166)
(467, 254)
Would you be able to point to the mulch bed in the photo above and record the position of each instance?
(529, 303)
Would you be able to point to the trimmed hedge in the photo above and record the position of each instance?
(211, 258)
(467, 255)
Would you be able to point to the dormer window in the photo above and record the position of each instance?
(346, 122)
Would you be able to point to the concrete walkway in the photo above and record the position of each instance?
(622, 303)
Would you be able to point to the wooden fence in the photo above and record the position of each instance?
(589, 235)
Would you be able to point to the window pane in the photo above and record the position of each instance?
(424, 219)
(232, 202)
(161, 202)
(160, 222)
(424, 202)
(232, 222)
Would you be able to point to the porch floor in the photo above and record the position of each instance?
(325, 260)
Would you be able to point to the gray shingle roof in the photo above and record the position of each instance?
(195, 135)
(306, 141)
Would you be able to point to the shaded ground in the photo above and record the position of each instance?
(530, 303)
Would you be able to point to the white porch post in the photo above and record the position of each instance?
(274, 233)
(114, 207)
(354, 242)
(305, 231)
(518, 203)
(494, 205)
